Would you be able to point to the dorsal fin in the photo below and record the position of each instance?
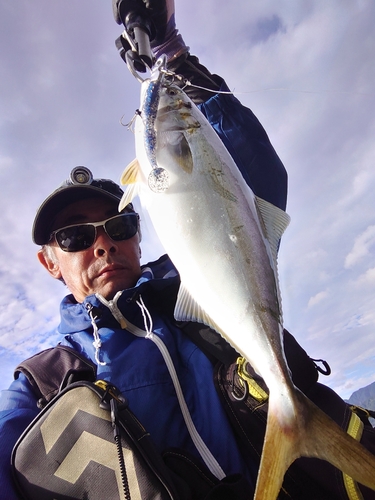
(275, 222)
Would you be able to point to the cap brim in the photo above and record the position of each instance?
(58, 200)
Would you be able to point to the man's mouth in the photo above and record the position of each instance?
(108, 270)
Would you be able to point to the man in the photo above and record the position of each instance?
(96, 252)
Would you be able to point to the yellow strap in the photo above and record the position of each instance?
(254, 389)
(355, 430)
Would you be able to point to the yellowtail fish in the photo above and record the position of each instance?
(223, 241)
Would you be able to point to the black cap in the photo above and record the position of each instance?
(79, 186)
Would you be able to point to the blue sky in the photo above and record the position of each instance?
(306, 69)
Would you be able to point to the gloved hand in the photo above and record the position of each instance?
(158, 21)
(154, 13)
(156, 18)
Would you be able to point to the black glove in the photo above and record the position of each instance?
(151, 25)
(151, 15)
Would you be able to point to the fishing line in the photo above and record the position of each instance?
(274, 89)
(187, 83)
(302, 91)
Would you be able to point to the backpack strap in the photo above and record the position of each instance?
(53, 369)
(216, 348)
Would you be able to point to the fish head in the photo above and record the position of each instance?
(173, 98)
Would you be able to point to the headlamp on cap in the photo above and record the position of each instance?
(80, 175)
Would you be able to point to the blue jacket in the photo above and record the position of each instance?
(137, 363)
(134, 360)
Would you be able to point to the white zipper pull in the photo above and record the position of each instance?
(113, 307)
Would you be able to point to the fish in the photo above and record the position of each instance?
(224, 242)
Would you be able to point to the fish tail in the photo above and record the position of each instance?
(313, 434)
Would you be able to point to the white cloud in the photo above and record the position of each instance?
(317, 298)
(361, 248)
(362, 181)
(368, 278)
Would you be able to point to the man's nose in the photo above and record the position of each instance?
(104, 244)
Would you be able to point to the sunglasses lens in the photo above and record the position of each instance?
(76, 238)
(122, 227)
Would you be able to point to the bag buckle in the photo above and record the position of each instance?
(249, 385)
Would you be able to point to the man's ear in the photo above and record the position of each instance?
(49, 262)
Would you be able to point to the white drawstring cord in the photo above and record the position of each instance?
(147, 320)
(97, 342)
(202, 448)
(147, 333)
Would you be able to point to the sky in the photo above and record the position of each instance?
(306, 69)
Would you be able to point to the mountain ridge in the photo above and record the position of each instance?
(364, 397)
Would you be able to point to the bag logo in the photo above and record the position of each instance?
(75, 449)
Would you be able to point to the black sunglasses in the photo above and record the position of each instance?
(80, 237)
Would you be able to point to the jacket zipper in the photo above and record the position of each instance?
(202, 448)
(112, 306)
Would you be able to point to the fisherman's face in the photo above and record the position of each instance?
(106, 267)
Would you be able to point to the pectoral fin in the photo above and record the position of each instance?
(178, 148)
(188, 309)
(131, 174)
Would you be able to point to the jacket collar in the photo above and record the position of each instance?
(158, 285)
